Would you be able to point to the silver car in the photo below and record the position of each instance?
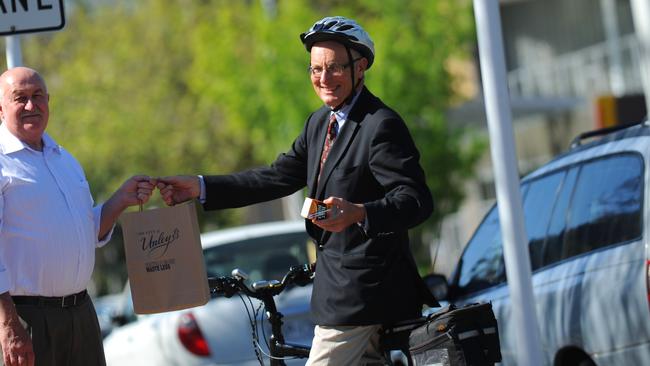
(219, 333)
(586, 215)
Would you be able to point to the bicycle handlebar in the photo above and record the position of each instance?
(300, 275)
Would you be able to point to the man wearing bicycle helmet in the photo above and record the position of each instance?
(356, 154)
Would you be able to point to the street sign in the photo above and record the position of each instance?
(28, 16)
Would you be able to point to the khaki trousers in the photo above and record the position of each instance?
(346, 345)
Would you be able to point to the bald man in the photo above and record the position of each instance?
(49, 230)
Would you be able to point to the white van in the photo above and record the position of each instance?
(586, 215)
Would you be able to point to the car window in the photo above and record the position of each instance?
(606, 205)
(537, 206)
(482, 265)
(552, 250)
(566, 213)
(263, 258)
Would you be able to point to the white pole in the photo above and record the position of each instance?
(14, 55)
(612, 39)
(515, 243)
(641, 14)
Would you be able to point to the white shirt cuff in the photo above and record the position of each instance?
(97, 213)
(5, 284)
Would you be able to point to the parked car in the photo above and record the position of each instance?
(586, 215)
(109, 308)
(219, 333)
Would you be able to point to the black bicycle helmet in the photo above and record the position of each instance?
(343, 30)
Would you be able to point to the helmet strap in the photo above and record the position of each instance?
(355, 83)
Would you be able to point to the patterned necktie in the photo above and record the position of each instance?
(332, 131)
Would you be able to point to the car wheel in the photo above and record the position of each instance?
(586, 362)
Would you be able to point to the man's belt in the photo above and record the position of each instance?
(52, 302)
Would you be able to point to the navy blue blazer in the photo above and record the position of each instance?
(365, 274)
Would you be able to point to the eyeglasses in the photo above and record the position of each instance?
(333, 69)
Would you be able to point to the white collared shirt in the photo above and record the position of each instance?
(48, 226)
(342, 114)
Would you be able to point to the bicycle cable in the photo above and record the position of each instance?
(259, 345)
(276, 358)
(252, 322)
(264, 332)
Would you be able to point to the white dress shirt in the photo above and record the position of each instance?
(48, 226)
(342, 114)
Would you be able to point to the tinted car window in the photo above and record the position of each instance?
(606, 204)
(264, 258)
(566, 213)
(538, 205)
(552, 251)
(482, 265)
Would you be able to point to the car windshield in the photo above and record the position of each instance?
(265, 258)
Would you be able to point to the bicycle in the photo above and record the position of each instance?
(265, 291)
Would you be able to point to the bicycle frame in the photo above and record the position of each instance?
(277, 345)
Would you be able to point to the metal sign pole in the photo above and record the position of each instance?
(504, 160)
(28, 17)
(14, 54)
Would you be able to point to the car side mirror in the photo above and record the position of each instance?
(437, 284)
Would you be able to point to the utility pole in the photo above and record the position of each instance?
(504, 160)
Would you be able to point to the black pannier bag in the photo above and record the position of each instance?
(452, 336)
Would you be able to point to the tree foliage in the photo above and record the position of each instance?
(169, 87)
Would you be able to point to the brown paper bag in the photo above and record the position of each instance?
(164, 259)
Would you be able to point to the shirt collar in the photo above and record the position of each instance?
(342, 114)
(10, 143)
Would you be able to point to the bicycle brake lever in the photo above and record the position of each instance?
(221, 285)
(302, 275)
(214, 283)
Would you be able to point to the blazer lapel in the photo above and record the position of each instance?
(340, 147)
(315, 160)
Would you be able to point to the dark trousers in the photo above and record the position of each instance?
(64, 336)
